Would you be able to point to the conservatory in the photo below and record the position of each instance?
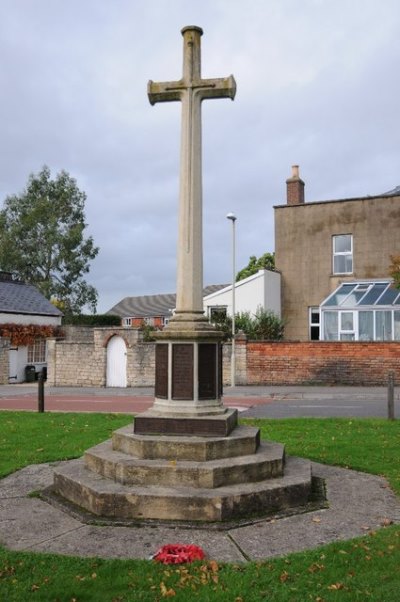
(362, 311)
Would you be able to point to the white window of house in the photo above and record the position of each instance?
(397, 326)
(127, 321)
(331, 325)
(217, 313)
(366, 326)
(314, 322)
(347, 326)
(383, 325)
(342, 254)
(37, 352)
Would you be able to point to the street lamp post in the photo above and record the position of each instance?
(232, 217)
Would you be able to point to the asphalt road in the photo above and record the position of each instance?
(257, 402)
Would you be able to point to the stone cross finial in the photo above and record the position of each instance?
(190, 90)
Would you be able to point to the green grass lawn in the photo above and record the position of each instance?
(358, 570)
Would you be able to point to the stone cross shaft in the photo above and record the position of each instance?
(190, 90)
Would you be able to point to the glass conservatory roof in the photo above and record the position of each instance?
(364, 294)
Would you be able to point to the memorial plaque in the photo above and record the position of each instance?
(182, 371)
(200, 427)
(207, 371)
(161, 388)
(220, 371)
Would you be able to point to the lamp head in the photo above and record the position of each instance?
(231, 216)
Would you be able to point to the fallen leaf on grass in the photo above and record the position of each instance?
(284, 577)
(315, 567)
(336, 586)
(166, 592)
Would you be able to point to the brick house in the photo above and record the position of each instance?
(153, 310)
(334, 258)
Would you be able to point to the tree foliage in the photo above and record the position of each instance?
(266, 261)
(42, 239)
(26, 334)
(394, 269)
(263, 325)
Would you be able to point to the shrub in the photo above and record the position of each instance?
(263, 325)
(92, 320)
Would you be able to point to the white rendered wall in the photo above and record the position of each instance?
(9, 318)
(261, 289)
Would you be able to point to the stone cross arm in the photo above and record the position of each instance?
(223, 87)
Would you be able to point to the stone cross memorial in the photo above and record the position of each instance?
(187, 457)
(188, 351)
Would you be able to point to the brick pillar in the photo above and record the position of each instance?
(295, 188)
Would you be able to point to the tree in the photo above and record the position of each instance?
(266, 261)
(394, 269)
(42, 240)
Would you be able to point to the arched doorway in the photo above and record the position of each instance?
(116, 362)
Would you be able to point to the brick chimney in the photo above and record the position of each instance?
(295, 188)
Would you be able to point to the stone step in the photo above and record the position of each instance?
(243, 441)
(104, 497)
(266, 463)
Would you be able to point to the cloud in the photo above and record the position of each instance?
(317, 86)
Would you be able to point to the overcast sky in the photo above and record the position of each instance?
(317, 85)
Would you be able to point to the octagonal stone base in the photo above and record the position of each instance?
(210, 479)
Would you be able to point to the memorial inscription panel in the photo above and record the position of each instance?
(182, 371)
(207, 371)
(161, 388)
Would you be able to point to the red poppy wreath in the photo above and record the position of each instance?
(178, 553)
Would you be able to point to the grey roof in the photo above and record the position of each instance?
(21, 298)
(393, 192)
(147, 306)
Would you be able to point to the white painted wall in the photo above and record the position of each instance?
(9, 318)
(19, 355)
(261, 289)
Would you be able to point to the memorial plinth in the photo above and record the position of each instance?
(188, 388)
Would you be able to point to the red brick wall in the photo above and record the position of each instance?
(347, 363)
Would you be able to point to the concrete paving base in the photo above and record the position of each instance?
(358, 502)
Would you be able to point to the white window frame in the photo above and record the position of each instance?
(345, 332)
(312, 311)
(37, 352)
(211, 309)
(342, 254)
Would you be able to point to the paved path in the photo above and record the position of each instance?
(358, 503)
(259, 402)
